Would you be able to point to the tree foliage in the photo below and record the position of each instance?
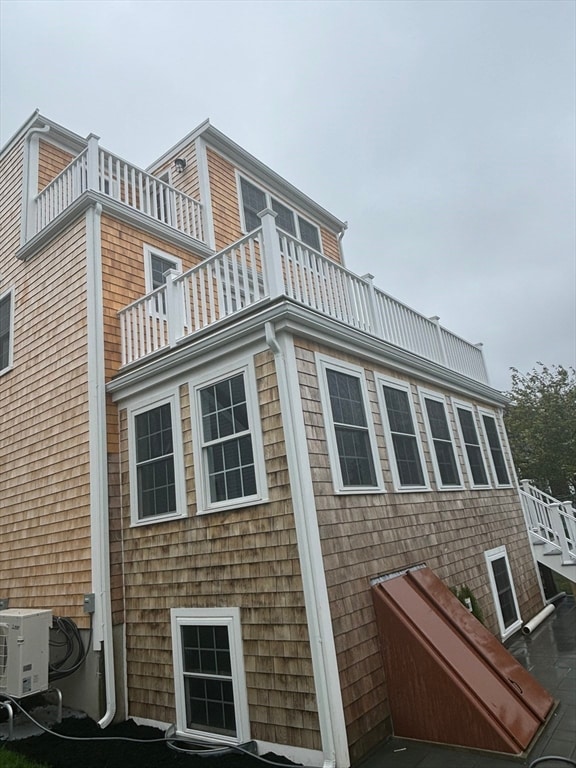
(541, 425)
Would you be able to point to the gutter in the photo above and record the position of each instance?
(99, 522)
(323, 650)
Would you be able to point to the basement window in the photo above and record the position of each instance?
(503, 591)
(210, 687)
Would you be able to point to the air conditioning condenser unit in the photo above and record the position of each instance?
(24, 651)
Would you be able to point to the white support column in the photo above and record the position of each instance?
(272, 258)
(92, 160)
(174, 307)
(377, 327)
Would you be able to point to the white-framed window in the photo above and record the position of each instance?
(503, 591)
(209, 678)
(6, 330)
(230, 467)
(156, 264)
(470, 439)
(496, 456)
(349, 427)
(441, 440)
(402, 435)
(254, 199)
(157, 484)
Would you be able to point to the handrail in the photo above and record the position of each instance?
(550, 521)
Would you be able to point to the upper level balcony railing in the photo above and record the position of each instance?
(267, 264)
(99, 170)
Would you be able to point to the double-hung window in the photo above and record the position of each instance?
(157, 485)
(440, 437)
(211, 699)
(473, 449)
(6, 329)
(231, 464)
(156, 264)
(255, 200)
(503, 590)
(403, 440)
(350, 431)
(496, 455)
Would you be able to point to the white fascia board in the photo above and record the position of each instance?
(242, 159)
(303, 322)
(118, 211)
(68, 139)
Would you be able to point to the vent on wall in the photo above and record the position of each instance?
(24, 651)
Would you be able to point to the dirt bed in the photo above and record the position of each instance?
(98, 752)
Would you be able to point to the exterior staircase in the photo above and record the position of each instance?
(552, 530)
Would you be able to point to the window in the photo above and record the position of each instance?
(503, 590)
(157, 484)
(156, 264)
(407, 465)
(211, 700)
(232, 464)
(255, 200)
(6, 329)
(440, 435)
(350, 433)
(497, 459)
(473, 454)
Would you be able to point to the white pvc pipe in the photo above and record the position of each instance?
(531, 625)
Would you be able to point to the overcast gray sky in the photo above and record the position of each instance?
(443, 131)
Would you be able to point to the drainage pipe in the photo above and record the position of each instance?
(531, 625)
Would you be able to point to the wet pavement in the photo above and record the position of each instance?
(549, 654)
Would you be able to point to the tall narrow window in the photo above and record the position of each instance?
(155, 462)
(503, 590)
(496, 452)
(350, 433)
(253, 202)
(444, 459)
(6, 313)
(474, 458)
(229, 457)
(408, 466)
(209, 674)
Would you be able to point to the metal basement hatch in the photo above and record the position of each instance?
(449, 679)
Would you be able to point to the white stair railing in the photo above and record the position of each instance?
(550, 521)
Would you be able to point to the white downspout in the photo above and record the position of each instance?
(323, 650)
(99, 523)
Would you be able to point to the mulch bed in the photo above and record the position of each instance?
(97, 752)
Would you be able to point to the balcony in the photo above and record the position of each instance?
(101, 171)
(268, 264)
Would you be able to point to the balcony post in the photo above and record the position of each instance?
(174, 307)
(272, 257)
(560, 533)
(92, 163)
(375, 322)
(443, 356)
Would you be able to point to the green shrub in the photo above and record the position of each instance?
(466, 597)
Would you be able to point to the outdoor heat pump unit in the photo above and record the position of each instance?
(24, 651)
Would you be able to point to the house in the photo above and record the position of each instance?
(215, 436)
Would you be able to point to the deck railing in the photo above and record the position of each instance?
(550, 521)
(97, 169)
(267, 264)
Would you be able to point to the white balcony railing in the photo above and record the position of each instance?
(267, 264)
(99, 170)
(550, 521)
